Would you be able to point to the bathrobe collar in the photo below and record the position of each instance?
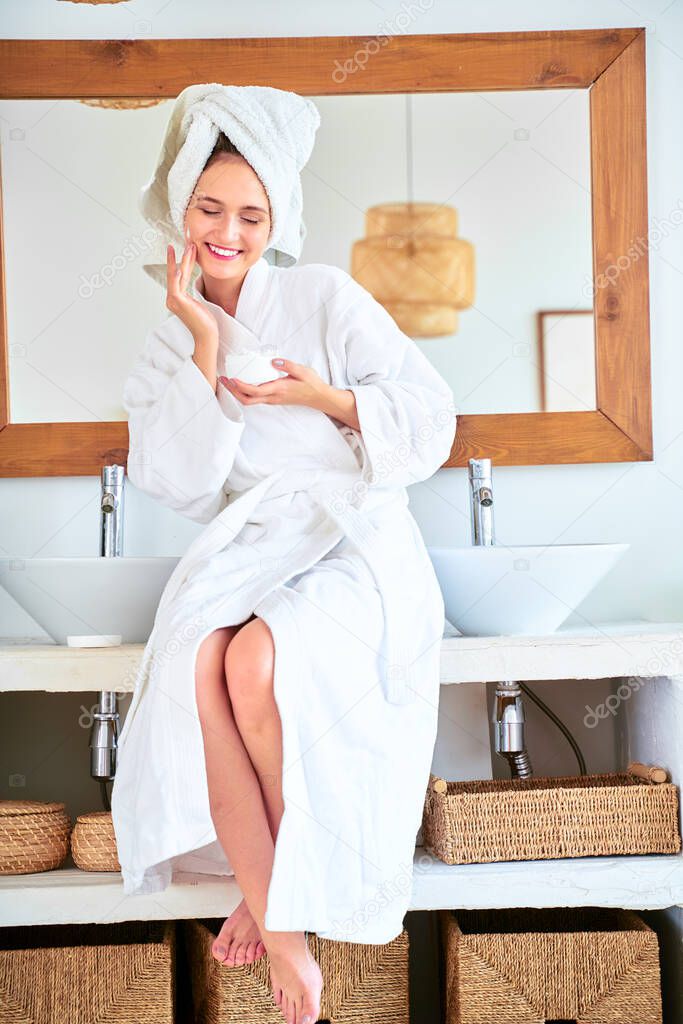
(249, 304)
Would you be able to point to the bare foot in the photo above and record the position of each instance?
(296, 978)
(239, 940)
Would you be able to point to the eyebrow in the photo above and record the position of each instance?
(210, 199)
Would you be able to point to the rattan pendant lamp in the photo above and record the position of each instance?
(412, 261)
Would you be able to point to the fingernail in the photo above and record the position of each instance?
(278, 362)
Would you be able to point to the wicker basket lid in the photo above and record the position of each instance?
(12, 807)
(97, 818)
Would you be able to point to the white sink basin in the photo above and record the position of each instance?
(498, 590)
(81, 596)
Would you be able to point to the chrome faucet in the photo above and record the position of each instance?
(104, 732)
(508, 711)
(111, 506)
(481, 502)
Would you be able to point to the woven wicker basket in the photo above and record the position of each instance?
(78, 974)
(361, 982)
(93, 842)
(540, 818)
(529, 966)
(34, 836)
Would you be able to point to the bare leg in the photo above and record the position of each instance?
(256, 713)
(249, 666)
(239, 814)
(239, 940)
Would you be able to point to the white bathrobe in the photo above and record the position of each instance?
(308, 528)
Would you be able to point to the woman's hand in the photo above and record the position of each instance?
(302, 386)
(196, 317)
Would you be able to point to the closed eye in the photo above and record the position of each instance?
(215, 213)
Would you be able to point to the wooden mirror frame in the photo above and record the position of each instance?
(609, 62)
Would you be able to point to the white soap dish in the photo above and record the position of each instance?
(94, 640)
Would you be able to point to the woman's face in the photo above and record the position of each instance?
(229, 208)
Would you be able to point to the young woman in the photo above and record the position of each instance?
(307, 614)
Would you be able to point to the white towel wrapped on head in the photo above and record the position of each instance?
(273, 129)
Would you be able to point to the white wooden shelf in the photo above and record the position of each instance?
(606, 650)
(68, 895)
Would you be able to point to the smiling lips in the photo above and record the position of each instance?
(223, 254)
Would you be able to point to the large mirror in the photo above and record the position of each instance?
(514, 166)
(521, 170)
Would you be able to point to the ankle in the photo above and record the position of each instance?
(278, 943)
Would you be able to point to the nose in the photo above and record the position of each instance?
(229, 225)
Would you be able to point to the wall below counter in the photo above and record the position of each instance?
(44, 738)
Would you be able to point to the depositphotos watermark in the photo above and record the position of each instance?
(392, 26)
(638, 248)
(186, 635)
(387, 462)
(133, 248)
(398, 886)
(656, 665)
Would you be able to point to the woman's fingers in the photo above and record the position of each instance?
(239, 389)
(174, 273)
(178, 274)
(254, 390)
(186, 265)
(170, 266)
(233, 388)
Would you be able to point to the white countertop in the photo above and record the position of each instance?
(69, 895)
(604, 650)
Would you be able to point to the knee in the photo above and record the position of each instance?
(249, 663)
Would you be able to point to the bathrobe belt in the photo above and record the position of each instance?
(330, 491)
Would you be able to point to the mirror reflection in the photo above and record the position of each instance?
(478, 205)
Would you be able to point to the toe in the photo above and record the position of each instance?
(232, 950)
(250, 952)
(240, 951)
(219, 951)
(277, 991)
(309, 1012)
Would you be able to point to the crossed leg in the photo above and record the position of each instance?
(239, 940)
(243, 752)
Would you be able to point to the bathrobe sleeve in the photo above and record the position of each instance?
(182, 438)
(406, 409)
